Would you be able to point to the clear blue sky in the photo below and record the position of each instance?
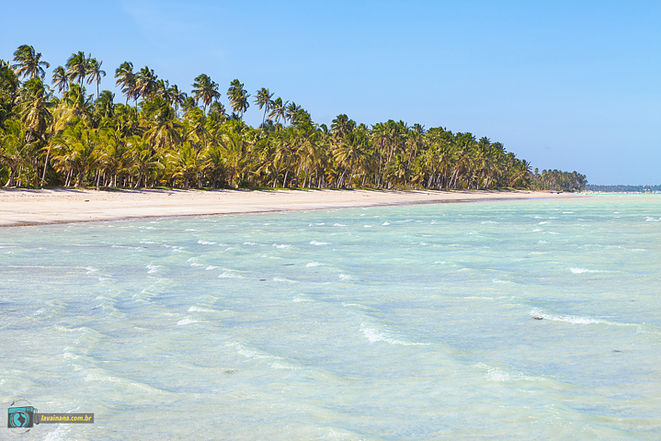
(565, 84)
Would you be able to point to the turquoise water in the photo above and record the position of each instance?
(396, 323)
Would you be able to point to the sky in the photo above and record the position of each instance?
(572, 85)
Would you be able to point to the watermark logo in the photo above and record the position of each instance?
(22, 416)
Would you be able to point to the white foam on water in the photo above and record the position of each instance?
(190, 229)
(339, 225)
(537, 230)
(344, 277)
(91, 270)
(300, 299)
(652, 219)
(567, 212)
(281, 365)
(358, 305)
(196, 264)
(282, 279)
(152, 268)
(576, 270)
(206, 242)
(210, 267)
(542, 223)
(195, 308)
(386, 223)
(488, 222)
(125, 247)
(575, 319)
(229, 274)
(281, 245)
(186, 321)
(374, 336)
(367, 226)
(250, 353)
(312, 264)
(318, 243)
(252, 244)
(508, 282)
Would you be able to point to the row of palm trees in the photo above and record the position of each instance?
(60, 135)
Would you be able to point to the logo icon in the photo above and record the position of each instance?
(20, 417)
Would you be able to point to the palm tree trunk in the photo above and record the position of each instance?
(43, 175)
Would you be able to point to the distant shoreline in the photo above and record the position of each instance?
(22, 207)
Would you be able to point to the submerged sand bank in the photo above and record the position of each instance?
(32, 207)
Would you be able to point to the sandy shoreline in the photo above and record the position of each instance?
(35, 207)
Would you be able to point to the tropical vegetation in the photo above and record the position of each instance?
(57, 133)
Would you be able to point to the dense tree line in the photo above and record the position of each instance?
(624, 188)
(58, 134)
(557, 180)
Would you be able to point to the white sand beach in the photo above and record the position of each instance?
(33, 207)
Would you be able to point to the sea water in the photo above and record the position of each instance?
(526, 320)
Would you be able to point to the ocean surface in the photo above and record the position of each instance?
(523, 320)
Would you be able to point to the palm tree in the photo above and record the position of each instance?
(234, 148)
(77, 67)
(278, 110)
(74, 106)
(238, 97)
(14, 150)
(205, 89)
(28, 62)
(263, 99)
(125, 79)
(163, 129)
(177, 97)
(292, 110)
(33, 110)
(95, 73)
(60, 79)
(105, 104)
(77, 152)
(145, 83)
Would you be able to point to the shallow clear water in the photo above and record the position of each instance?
(397, 323)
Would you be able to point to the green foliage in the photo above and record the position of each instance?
(166, 138)
(556, 180)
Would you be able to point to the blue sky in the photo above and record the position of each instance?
(564, 84)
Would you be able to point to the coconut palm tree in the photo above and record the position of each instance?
(60, 79)
(95, 73)
(146, 83)
(177, 97)
(28, 62)
(278, 110)
(264, 100)
(292, 110)
(205, 89)
(105, 107)
(125, 79)
(14, 150)
(77, 67)
(238, 97)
